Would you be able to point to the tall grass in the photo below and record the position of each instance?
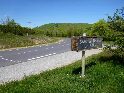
(8, 40)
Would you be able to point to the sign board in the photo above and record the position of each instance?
(81, 43)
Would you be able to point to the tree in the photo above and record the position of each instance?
(100, 28)
(116, 22)
(9, 25)
(8, 21)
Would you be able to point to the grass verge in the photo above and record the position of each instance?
(103, 75)
(8, 40)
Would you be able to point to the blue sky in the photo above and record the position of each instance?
(39, 12)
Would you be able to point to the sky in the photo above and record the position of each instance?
(32, 13)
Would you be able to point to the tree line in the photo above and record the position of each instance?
(63, 29)
(10, 26)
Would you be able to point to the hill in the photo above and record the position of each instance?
(63, 29)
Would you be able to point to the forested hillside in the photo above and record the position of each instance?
(63, 29)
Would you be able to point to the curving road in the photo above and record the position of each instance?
(14, 56)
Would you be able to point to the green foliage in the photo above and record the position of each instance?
(102, 76)
(100, 28)
(116, 24)
(119, 39)
(112, 30)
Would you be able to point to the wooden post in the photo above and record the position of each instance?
(83, 63)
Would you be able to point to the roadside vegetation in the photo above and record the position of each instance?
(12, 35)
(104, 73)
(9, 40)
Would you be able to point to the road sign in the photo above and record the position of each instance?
(81, 43)
(89, 42)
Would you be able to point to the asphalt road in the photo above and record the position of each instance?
(14, 56)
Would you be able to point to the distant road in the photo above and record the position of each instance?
(14, 56)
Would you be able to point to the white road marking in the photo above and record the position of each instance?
(29, 59)
(50, 54)
(54, 53)
(37, 57)
(11, 60)
(24, 52)
(52, 47)
(46, 55)
(0, 56)
(41, 56)
(6, 59)
(63, 45)
(33, 58)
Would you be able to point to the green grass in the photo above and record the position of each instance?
(8, 40)
(103, 75)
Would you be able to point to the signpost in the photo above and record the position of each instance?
(83, 63)
(83, 43)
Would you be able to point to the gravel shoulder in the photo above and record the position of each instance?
(20, 70)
